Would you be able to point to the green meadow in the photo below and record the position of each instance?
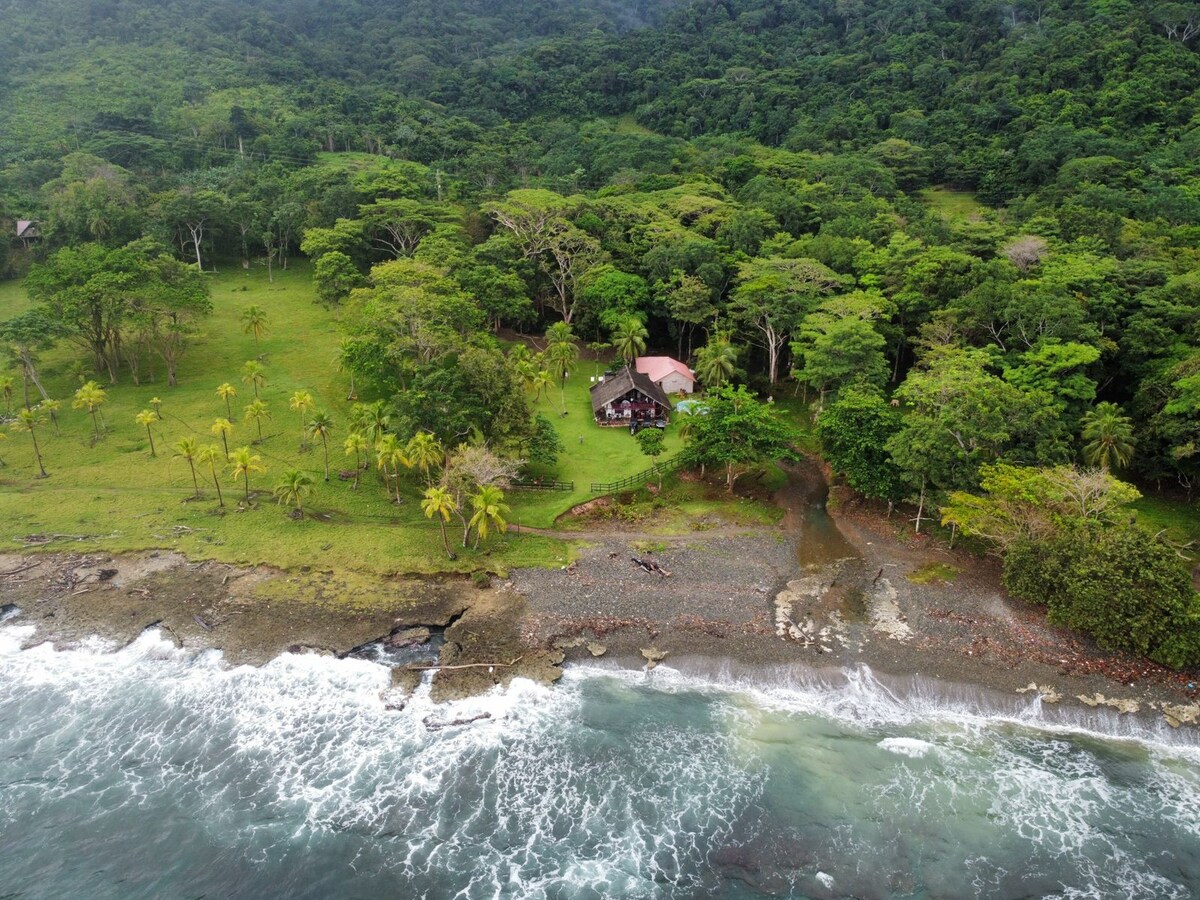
(111, 494)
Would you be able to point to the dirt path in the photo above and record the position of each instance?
(629, 536)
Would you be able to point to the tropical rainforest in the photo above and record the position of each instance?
(966, 233)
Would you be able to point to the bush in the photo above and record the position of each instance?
(1119, 584)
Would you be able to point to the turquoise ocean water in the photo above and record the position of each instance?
(152, 772)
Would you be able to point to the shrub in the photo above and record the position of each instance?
(1121, 585)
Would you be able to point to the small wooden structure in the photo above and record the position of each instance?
(27, 230)
(630, 399)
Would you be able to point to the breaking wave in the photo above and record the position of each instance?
(148, 771)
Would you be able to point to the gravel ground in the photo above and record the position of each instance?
(817, 596)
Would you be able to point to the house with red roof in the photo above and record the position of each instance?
(669, 374)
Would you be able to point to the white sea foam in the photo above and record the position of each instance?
(614, 783)
(910, 747)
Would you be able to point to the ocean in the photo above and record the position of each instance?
(152, 772)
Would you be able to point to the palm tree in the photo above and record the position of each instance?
(1109, 436)
(526, 370)
(440, 502)
(343, 365)
(157, 404)
(716, 361)
(562, 355)
(227, 392)
(90, 397)
(52, 407)
(254, 375)
(29, 420)
(254, 321)
(357, 445)
(211, 453)
(246, 464)
(490, 511)
(425, 451)
(320, 426)
(293, 487)
(6, 389)
(629, 338)
(371, 419)
(389, 456)
(257, 411)
(542, 380)
(187, 448)
(301, 402)
(80, 371)
(147, 418)
(222, 428)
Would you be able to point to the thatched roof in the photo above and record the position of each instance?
(617, 386)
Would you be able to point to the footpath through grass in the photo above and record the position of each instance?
(114, 496)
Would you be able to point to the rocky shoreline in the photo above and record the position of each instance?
(815, 593)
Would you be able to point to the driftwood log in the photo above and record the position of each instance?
(507, 665)
(434, 725)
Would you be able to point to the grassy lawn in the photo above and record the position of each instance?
(116, 497)
(801, 414)
(593, 454)
(1180, 520)
(953, 206)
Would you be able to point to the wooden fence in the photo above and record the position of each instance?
(655, 471)
(543, 484)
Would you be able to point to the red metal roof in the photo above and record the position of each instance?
(656, 368)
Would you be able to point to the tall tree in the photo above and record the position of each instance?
(222, 428)
(244, 464)
(188, 449)
(227, 392)
(439, 502)
(488, 511)
(91, 397)
(716, 361)
(736, 431)
(629, 339)
(256, 411)
(425, 452)
(210, 454)
(301, 402)
(146, 418)
(562, 354)
(254, 375)
(29, 420)
(773, 296)
(321, 425)
(357, 445)
(1108, 437)
(293, 486)
(255, 322)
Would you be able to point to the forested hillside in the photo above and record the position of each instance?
(967, 233)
